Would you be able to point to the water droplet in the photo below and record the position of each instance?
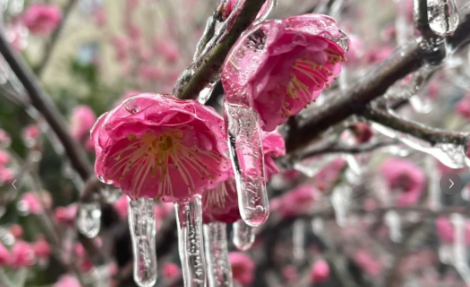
(218, 264)
(142, 228)
(89, 219)
(246, 154)
(298, 240)
(205, 93)
(443, 16)
(193, 262)
(132, 107)
(243, 235)
(393, 222)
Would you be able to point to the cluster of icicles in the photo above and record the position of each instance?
(208, 264)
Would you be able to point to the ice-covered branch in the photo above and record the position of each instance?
(205, 68)
(403, 61)
(431, 135)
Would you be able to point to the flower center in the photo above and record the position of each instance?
(155, 156)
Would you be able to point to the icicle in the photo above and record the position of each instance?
(433, 183)
(189, 219)
(89, 219)
(243, 235)
(445, 253)
(246, 154)
(142, 228)
(421, 104)
(340, 201)
(402, 28)
(218, 264)
(392, 220)
(460, 251)
(298, 241)
(271, 7)
(443, 16)
(317, 225)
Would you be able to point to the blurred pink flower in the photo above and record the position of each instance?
(121, 207)
(463, 107)
(22, 255)
(66, 215)
(273, 146)
(445, 230)
(82, 119)
(155, 146)
(67, 281)
(4, 138)
(320, 272)
(31, 135)
(4, 255)
(296, 202)
(368, 264)
(6, 175)
(242, 268)
(30, 203)
(4, 158)
(16, 230)
(148, 72)
(122, 45)
(167, 50)
(405, 177)
(99, 15)
(42, 19)
(290, 273)
(16, 34)
(41, 248)
(280, 66)
(329, 174)
(133, 31)
(171, 271)
(356, 50)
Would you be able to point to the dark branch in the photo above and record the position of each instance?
(208, 66)
(404, 61)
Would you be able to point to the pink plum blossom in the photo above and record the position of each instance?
(41, 248)
(280, 66)
(320, 272)
(31, 135)
(22, 255)
(167, 50)
(42, 19)
(296, 202)
(363, 132)
(155, 146)
(171, 271)
(99, 15)
(150, 73)
(5, 256)
(329, 174)
(369, 264)
(405, 177)
(356, 50)
(66, 215)
(6, 175)
(82, 119)
(242, 268)
(67, 281)
(16, 230)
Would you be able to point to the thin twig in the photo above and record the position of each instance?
(52, 43)
(431, 135)
(340, 148)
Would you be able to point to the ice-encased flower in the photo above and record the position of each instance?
(280, 66)
(160, 147)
